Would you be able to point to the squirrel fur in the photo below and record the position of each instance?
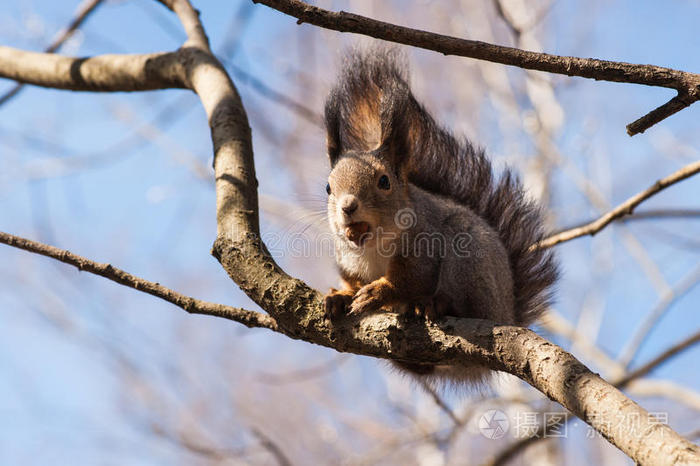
(421, 223)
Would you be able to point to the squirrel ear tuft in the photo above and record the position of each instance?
(396, 124)
(332, 120)
(353, 120)
(368, 108)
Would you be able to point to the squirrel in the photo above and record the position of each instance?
(420, 222)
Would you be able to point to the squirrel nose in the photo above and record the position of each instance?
(348, 204)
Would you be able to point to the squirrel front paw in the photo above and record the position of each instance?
(372, 297)
(336, 302)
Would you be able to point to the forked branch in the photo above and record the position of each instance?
(622, 210)
(686, 84)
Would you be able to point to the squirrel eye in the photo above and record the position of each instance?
(384, 182)
(328, 188)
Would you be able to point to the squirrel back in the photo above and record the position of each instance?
(373, 85)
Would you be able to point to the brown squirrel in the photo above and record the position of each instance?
(421, 224)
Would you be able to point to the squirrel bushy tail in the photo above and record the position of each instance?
(440, 163)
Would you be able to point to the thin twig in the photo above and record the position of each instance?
(302, 375)
(629, 351)
(676, 104)
(193, 306)
(80, 15)
(516, 29)
(272, 447)
(626, 208)
(651, 214)
(440, 402)
(556, 323)
(193, 446)
(660, 388)
(687, 84)
(643, 370)
(268, 92)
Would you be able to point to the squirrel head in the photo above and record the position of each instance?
(371, 129)
(365, 193)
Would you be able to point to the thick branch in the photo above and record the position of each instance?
(236, 185)
(626, 208)
(189, 18)
(687, 84)
(465, 342)
(272, 447)
(191, 305)
(104, 73)
(512, 450)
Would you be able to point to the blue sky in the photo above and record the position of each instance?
(139, 205)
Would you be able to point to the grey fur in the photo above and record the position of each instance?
(375, 127)
(442, 164)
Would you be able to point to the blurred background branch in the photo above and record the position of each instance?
(81, 14)
(104, 175)
(687, 84)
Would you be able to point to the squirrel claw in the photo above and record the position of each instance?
(336, 303)
(428, 310)
(367, 299)
(361, 306)
(432, 308)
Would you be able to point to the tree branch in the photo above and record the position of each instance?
(687, 84)
(542, 433)
(643, 370)
(682, 100)
(81, 14)
(441, 403)
(651, 214)
(685, 285)
(268, 92)
(626, 208)
(103, 73)
(272, 447)
(193, 306)
(465, 342)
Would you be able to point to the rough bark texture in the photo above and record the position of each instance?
(518, 351)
